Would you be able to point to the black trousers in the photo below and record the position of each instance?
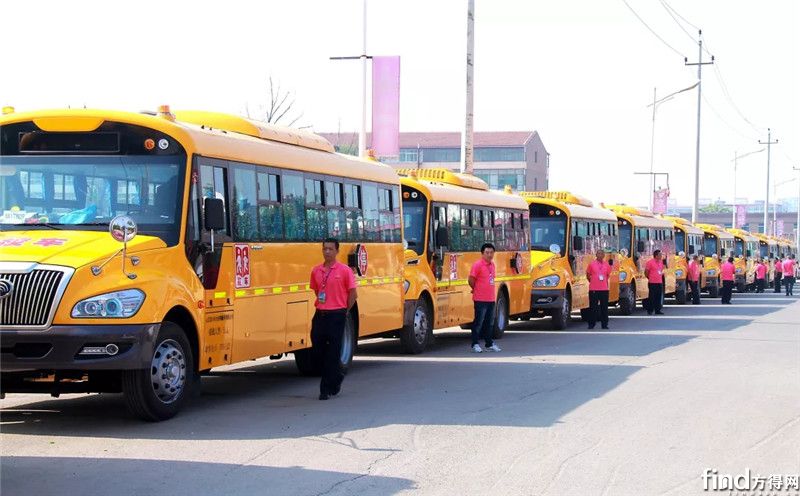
(694, 287)
(727, 291)
(327, 330)
(788, 282)
(760, 283)
(654, 299)
(598, 308)
(778, 277)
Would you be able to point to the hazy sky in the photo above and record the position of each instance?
(579, 72)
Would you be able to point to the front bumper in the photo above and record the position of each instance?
(546, 299)
(59, 347)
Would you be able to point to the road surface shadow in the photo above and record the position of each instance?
(23, 475)
(270, 401)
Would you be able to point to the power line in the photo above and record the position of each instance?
(724, 121)
(726, 92)
(651, 30)
(672, 14)
(669, 7)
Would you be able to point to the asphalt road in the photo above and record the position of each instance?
(642, 409)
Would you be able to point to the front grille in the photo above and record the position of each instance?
(33, 297)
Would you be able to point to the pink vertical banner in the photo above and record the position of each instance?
(386, 106)
(660, 198)
(779, 227)
(741, 215)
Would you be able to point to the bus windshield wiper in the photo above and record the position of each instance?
(42, 224)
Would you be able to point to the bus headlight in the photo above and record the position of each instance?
(622, 276)
(116, 305)
(547, 282)
(681, 253)
(679, 273)
(406, 285)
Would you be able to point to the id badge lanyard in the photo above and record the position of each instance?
(322, 296)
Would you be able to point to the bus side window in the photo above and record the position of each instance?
(454, 227)
(244, 208)
(294, 218)
(316, 218)
(355, 219)
(270, 217)
(334, 204)
(369, 204)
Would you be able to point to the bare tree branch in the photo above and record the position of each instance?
(279, 108)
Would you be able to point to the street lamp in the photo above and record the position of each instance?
(655, 104)
(736, 158)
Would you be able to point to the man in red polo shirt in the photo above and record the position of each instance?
(481, 280)
(693, 277)
(788, 274)
(727, 273)
(335, 288)
(761, 276)
(598, 273)
(654, 271)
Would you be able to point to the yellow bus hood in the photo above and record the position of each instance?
(66, 248)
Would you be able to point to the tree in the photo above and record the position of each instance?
(279, 108)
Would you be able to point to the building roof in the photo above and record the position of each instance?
(441, 139)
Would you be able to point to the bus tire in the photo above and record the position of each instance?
(308, 364)
(349, 343)
(415, 337)
(628, 304)
(500, 316)
(160, 391)
(680, 297)
(562, 316)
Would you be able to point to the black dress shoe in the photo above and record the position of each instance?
(659, 313)
(591, 327)
(604, 327)
(334, 393)
(323, 396)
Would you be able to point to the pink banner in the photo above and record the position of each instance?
(386, 106)
(779, 227)
(741, 215)
(660, 198)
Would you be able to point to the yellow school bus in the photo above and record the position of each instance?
(447, 216)
(745, 251)
(717, 247)
(640, 234)
(215, 223)
(768, 250)
(566, 232)
(688, 242)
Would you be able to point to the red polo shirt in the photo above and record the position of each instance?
(335, 283)
(483, 272)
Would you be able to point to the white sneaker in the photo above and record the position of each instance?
(494, 348)
(476, 348)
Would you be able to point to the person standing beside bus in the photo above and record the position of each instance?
(728, 274)
(481, 280)
(789, 275)
(761, 276)
(334, 285)
(598, 273)
(654, 271)
(778, 273)
(693, 278)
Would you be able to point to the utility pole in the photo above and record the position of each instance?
(466, 146)
(652, 147)
(699, 64)
(362, 132)
(769, 144)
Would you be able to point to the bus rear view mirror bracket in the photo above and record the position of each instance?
(213, 216)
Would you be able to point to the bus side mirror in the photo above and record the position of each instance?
(722, 251)
(691, 249)
(640, 247)
(749, 253)
(214, 214)
(442, 237)
(577, 243)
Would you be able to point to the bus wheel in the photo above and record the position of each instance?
(414, 338)
(563, 315)
(680, 297)
(308, 363)
(500, 316)
(349, 340)
(628, 304)
(159, 392)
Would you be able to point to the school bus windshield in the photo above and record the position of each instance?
(414, 225)
(710, 245)
(548, 227)
(87, 192)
